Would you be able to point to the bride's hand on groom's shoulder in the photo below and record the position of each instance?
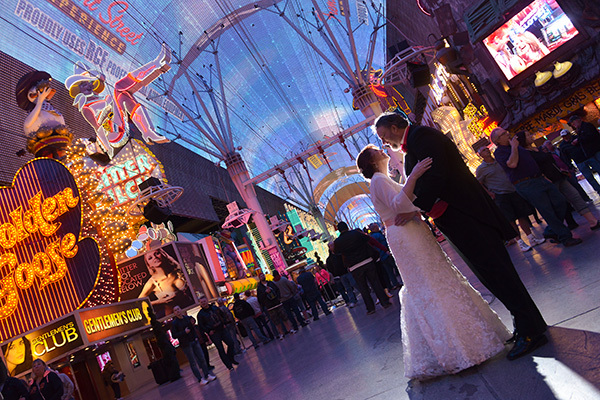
(421, 167)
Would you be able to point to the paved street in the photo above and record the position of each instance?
(350, 355)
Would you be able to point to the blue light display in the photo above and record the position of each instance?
(282, 97)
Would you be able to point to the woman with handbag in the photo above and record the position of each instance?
(45, 384)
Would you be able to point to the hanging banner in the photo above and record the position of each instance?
(198, 270)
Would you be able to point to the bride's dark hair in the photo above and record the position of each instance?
(365, 163)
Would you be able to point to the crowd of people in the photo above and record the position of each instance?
(281, 306)
(516, 181)
(45, 383)
(521, 177)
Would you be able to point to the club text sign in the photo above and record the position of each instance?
(47, 343)
(114, 320)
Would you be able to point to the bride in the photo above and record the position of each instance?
(446, 325)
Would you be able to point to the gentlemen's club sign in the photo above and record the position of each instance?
(46, 269)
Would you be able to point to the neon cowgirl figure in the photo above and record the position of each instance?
(108, 115)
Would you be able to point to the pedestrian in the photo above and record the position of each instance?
(355, 248)
(230, 325)
(287, 291)
(68, 386)
(270, 300)
(11, 388)
(525, 174)
(245, 313)
(311, 291)
(259, 315)
(549, 147)
(386, 259)
(514, 207)
(324, 279)
(183, 330)
(45, 384)
(571, 152)
(558, 176)
(342, 277)
(113, 377)
(211, 320)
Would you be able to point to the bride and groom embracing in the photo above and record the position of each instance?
(446, 325)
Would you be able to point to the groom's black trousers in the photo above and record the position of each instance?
(482, 247)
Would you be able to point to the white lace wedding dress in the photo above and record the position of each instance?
(446, 325)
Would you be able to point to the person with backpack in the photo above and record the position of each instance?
(212, 320)
(245, 313)
(269, 298)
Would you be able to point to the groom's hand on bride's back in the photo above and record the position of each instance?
(403, 218)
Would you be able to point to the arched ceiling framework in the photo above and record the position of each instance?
(342, 196)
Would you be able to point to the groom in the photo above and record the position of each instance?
(469, 219)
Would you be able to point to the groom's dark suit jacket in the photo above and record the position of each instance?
(449, 179)
(472, 222)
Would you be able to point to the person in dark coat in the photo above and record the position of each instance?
(11, 388)
(184, 330)
(269, 298)
(211, 320)
(45, 384)
(357, 254)
(450, 194)
(341, 276)
(570, 152)
(245, 314)
(312, 293)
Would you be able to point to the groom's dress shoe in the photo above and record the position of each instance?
(511, 339)
(526, 345)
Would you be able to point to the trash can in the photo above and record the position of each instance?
(159, 371)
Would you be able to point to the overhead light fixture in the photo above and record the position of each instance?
(561, 68)
(542, 78)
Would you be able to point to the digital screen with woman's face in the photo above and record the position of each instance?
(156, 274)
(536, 31)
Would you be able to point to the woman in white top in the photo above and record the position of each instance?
(446, 325)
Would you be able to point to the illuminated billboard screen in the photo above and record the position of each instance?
(532, 34)
(156, 274)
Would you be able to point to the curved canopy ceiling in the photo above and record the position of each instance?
(281, 96)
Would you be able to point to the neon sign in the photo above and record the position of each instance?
(80, 16)
(133, 165)
(45, 263)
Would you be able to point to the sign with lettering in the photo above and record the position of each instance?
(48, 343)
(106, 322)
(156, 274)
(130, 167)
(88, 22)
(566, 106)
(46, 269)
(95, 31)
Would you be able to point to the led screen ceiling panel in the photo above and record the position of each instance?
(281, 96)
